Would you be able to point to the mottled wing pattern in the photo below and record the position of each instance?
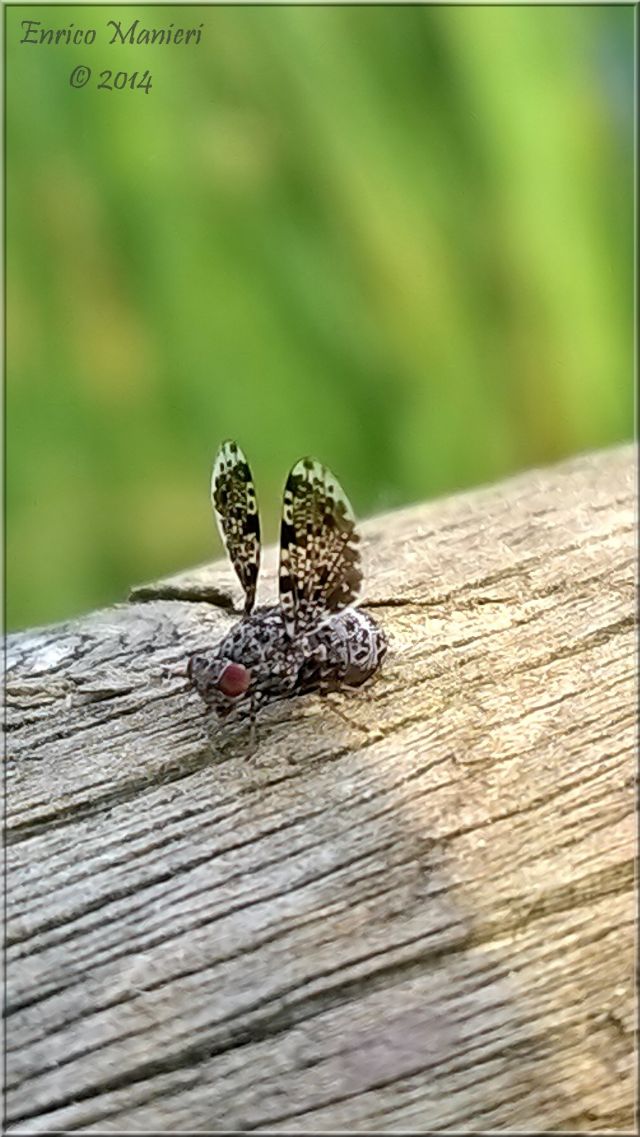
(319, 556)
(236, 510)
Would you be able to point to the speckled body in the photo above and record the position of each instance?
(315, 638)
(346, 648)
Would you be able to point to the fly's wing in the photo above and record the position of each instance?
(319, 556)
(236, 511)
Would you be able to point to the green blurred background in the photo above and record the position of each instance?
(398, 239)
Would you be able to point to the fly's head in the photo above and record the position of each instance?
(222, 683)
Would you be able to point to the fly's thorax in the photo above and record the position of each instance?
(255, 658)
(255, 638)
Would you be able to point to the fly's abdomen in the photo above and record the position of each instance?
(348, 648)
(366, 646)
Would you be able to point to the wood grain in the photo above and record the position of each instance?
(411, 908)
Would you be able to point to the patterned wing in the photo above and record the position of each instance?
(236, 511)
(319, 556)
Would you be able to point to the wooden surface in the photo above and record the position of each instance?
(410, 910)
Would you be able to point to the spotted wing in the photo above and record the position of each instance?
(236, 510)
(319, 556)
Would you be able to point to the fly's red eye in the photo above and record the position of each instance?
(234, 680)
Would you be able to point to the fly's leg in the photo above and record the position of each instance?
(253, 729)
(330, 693)
(221, 732)
(211, 722)
(328, 680)
(258, 700)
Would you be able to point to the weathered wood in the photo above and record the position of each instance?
(414, 913)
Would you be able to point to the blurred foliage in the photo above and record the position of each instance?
(398, 239)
